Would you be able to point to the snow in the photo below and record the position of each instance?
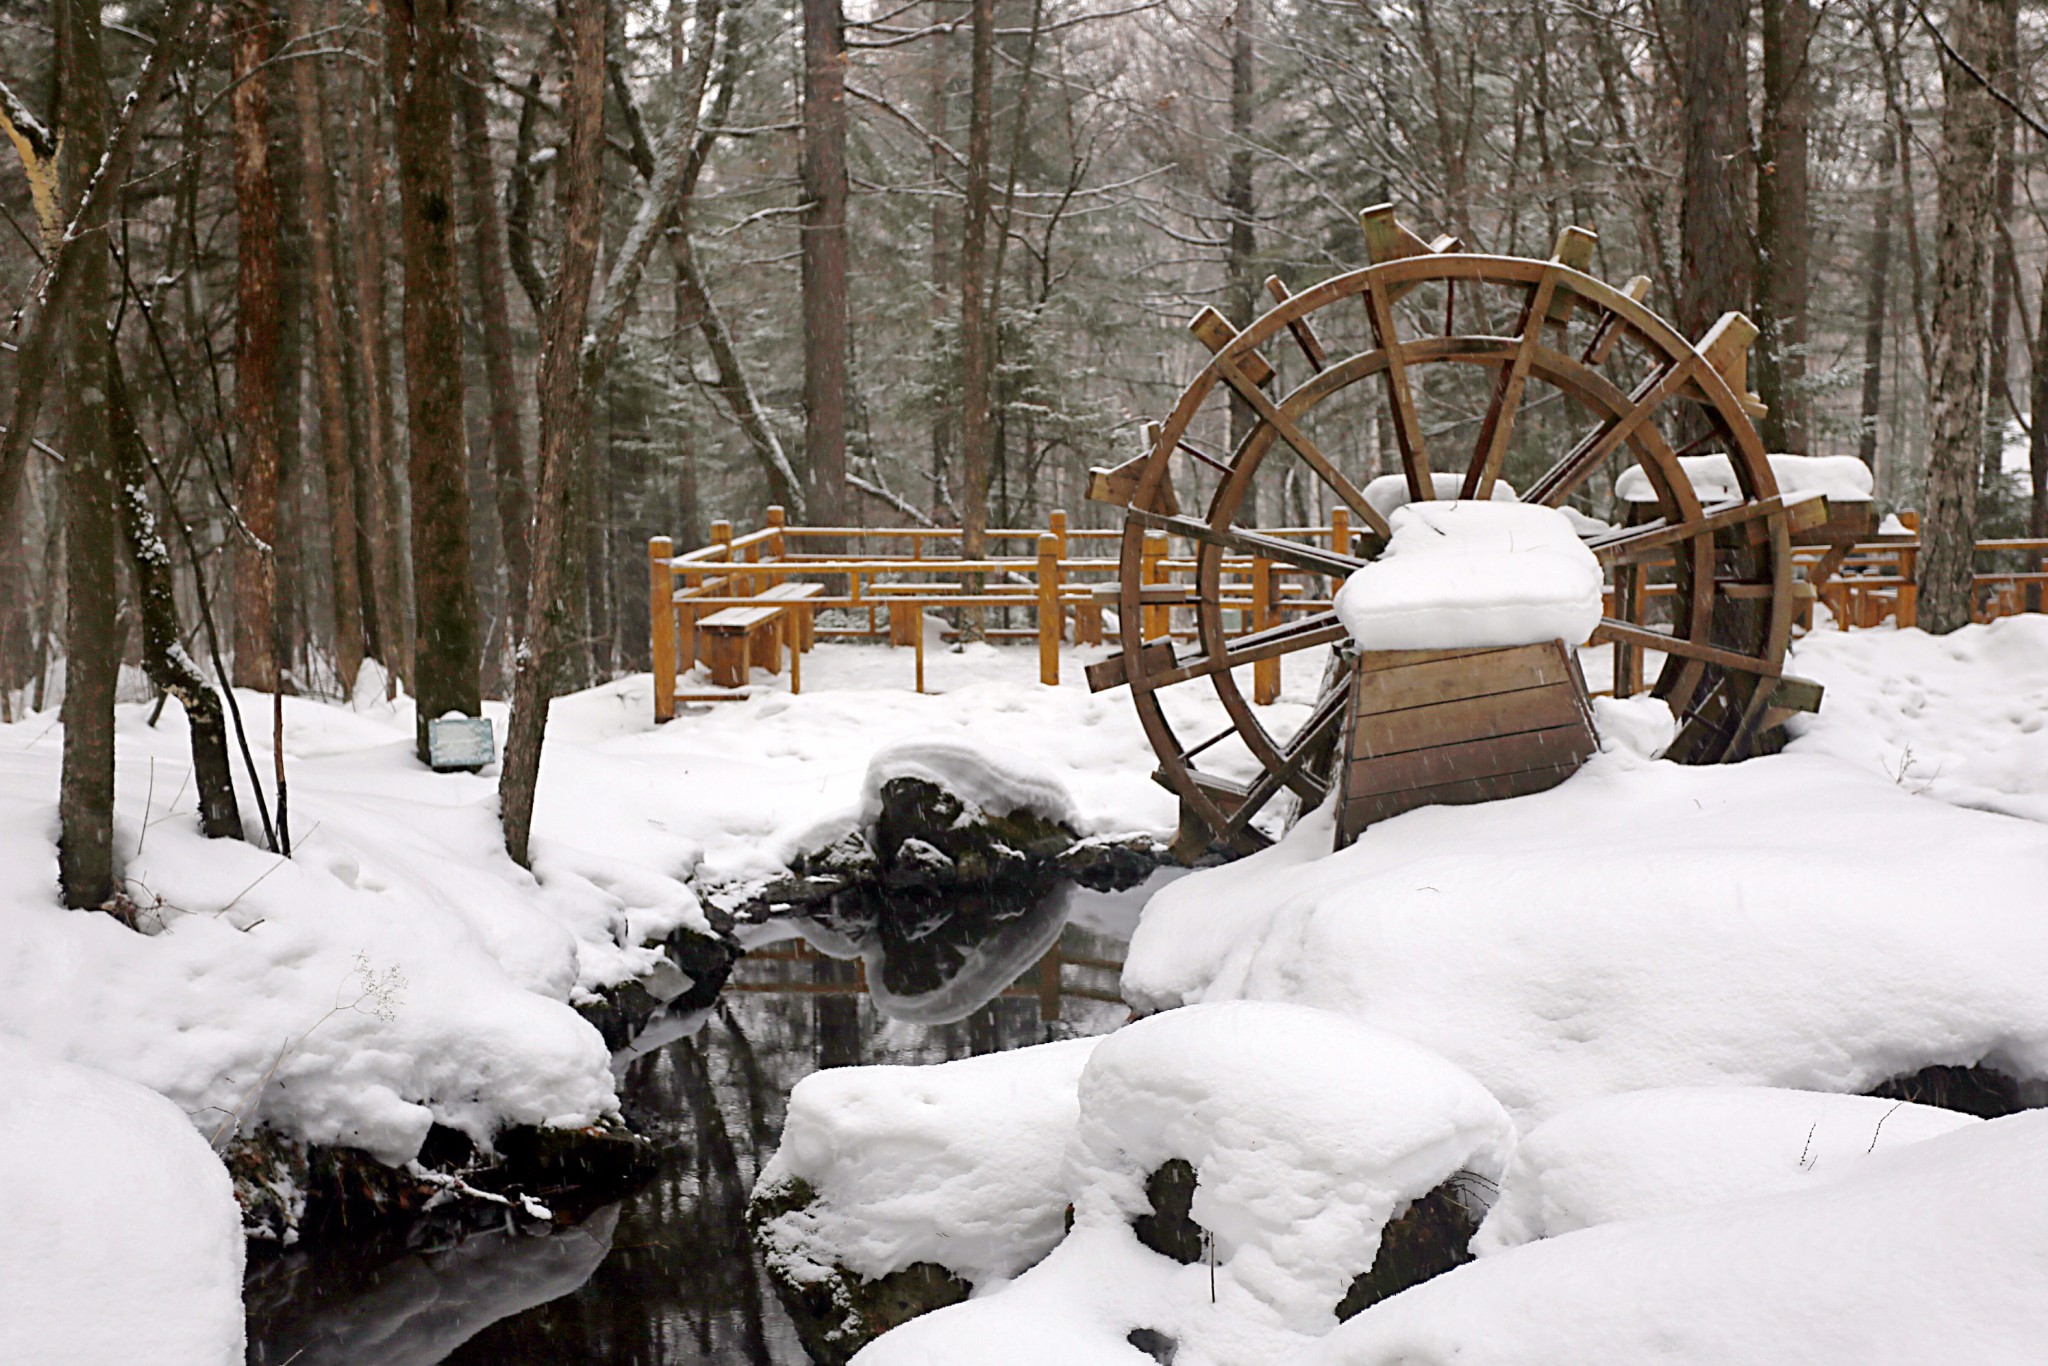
(1962, 718)
(1839, 478)
(1643, 924)
(1933, 1253)
(1645, 1153)
(987, 777)
(1468, 573)
(1307, 1133)
(956, 1163)
(1390, 491)
(119, 1235)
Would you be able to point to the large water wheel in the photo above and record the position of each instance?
(1581, 381)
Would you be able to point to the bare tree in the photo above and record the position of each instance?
(1719, 258)
(823, 247)
(1783, 228)
(977, 343)
(258, 328)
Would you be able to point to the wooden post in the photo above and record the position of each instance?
(1058, 523)
(1340, 539)
(916, 638)
(1265, 672)
(1628, 659)
(1049, 984)
(661, 624)
(777, 546)
(1158, 620)
(1049, 610)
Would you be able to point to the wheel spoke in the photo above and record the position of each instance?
(1301, 556)
(1613, 632)
(1400, 395)
(1305, 448)
(1306, 633)
(1304, 335)
(1290, 771)
(1640, 543)
(1583, 458)
(1492, 447)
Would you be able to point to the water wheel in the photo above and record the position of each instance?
(1478, 366)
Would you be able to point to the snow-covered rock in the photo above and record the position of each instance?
(989, 779)
(1474, 574)
(119, 1235)
(1643, 924)
(1646, 1153)
(1936, 1252)
(1841, 478)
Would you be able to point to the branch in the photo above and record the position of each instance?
(1979, 77)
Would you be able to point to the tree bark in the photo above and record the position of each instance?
(1784, 233)
(258, 334)
(92, 654)
(822, 236)
(421, 54)
(164, 657)
(1877, 270)
(944, 428)
(1239, 266)
(317, 189)
(1717, 254)
(488, 258)
(2037, 435)
(977, 344)
(2004, 72)
(379, 538)
(1969, 119)
(564, 414)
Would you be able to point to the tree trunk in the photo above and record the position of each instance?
(421, 54)
(1718, 258)
(92, 653)
(823, 241)
(1877, 271)
(323, 279)
(1237, 199)
(1969, 119)
(258, 334)
(377, 495)
(564, 415)
(494, 328)
(2004, 72)
(163, 651)
(1784, 234)
(977, 349)
(2037, 435)
(945, 419)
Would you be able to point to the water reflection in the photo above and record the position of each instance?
(668, 1276)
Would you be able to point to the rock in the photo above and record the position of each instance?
(840, 1312)
(692, 970)
(1426, 1240)
(1977, 1090)
(1113, 863)
(921, 866)
(985, 846)
(1170, 1228)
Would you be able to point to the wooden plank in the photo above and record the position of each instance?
(1214, 331)
(741, 620)
(1461, 676)
(1559, 746)
(1114, 672)
(1468, 718)
(1370, 811)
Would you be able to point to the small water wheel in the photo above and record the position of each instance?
(1557, 377)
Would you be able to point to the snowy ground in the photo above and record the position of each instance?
(1641, 926)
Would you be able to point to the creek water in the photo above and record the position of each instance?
(668, 1275)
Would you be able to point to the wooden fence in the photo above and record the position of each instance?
(876, 583)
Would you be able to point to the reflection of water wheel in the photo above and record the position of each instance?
(1420, 339)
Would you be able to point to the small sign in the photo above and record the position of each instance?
(460, 744)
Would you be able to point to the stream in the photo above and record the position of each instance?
(668, 1275)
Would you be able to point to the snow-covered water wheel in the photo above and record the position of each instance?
(1642, 392)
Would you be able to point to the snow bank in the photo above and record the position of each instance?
(1647, 1153)
(957, 1163)
(988, 778)
(1962, 717)
(119, 1235)
(1934, 1253)
(1840, 478)
(1390, 491)
(1307, 1133)
(1458, 574)
(1643, 924)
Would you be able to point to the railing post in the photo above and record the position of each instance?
(1158, 621)
(661, 625)
(1049, 610)
(1265, 672)
(1340, 539)
(777, 547)
(1058, 523)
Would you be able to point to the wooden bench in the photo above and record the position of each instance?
(736, 639)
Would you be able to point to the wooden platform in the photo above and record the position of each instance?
(1454, 727)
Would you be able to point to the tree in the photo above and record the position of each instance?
(421, 49)
(1718, 258)
(977, 340)
(1239, 267)
(1969, 120)
(1784, 230)
(823, 246)
(258, 328)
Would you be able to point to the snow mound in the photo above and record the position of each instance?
(986, 777)
(1840, 478)
(1641, 925)
(1962, 717)
(1934, 1253)
(1390, 491)
(1307, 1133)
(1462, 574)
(119, 1235)
(957, 1163)
(1647, 1153)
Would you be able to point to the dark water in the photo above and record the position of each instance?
(668, 1275)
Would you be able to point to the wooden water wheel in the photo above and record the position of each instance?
(1434, 342)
